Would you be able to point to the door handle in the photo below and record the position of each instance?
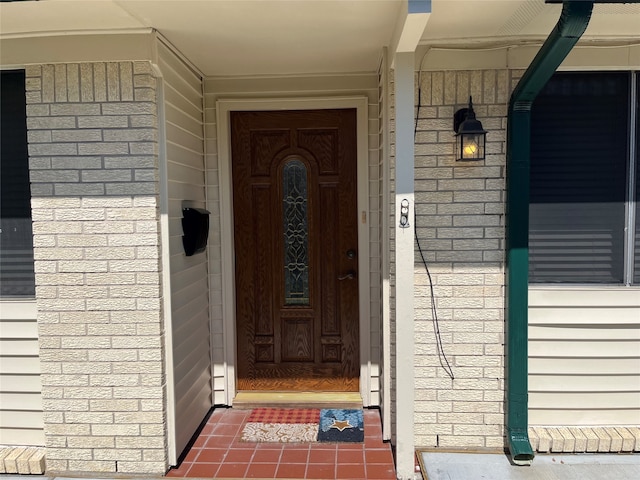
(350, 275)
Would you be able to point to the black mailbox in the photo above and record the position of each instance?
(195, 226)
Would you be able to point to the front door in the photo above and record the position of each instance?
(296, 260)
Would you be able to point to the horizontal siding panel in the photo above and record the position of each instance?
(585, 349)
(584, 383)
(585, 298)
(593, 418)
(185, 174)
(192, 323)
(187, 140)
(188, 337)
(183, 121)
(218, 370)
(175, 98)
(20, 402)
(182, 87)
(580, 332)
(185, 191)
(197, 394)
(20, 383)
(199, 401)
(195, 379)
(18, 310)
(18, 329)
(194, 414)
(195, 297)
(179, 69)
(196, 346)
(197, 273)
(19, 347)
(21, 436)
(19, 365)
(183, 78)
(582, 401)
(579, 366)
(179, 261)
(179, 154)
(192, 346)
(593, 315)
(21, 419)
(196, 358)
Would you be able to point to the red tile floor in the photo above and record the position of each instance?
(219, 453)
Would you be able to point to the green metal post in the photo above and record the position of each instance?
(570, 27)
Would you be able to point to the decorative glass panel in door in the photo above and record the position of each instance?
(296, 234)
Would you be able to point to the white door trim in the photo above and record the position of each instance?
(223, 107)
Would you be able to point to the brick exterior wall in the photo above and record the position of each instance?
(92, 133)
(460, 223)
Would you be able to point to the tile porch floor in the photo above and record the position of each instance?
(219, 453)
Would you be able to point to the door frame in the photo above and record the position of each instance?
(223, 107)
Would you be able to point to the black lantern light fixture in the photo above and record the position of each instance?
(470, 136)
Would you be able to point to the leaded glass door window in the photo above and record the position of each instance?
(295, 226)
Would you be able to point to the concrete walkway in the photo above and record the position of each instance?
(470, 466)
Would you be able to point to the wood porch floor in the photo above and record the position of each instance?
(219, 453)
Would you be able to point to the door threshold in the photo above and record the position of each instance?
(255, 399)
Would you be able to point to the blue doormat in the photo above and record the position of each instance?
(341, 425)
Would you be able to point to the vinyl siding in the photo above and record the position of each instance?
(324, 86)
(584, 356)
(21, 419)
(183, 109)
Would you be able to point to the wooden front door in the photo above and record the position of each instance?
(296, 261)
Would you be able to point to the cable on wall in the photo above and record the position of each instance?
(442, 356)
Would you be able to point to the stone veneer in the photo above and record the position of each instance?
(93, 155)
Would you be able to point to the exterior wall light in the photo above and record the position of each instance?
(470, 136)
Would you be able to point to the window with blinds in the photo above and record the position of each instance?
(16, 238)
(580, 180)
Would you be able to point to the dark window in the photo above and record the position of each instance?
(580, 180)
(16, 238)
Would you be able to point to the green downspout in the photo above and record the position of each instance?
(572, 24)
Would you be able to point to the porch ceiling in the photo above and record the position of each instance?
(274, 37)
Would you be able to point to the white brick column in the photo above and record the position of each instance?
(460, 224)
(92, 132)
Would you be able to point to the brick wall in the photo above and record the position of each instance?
(92, 133)
(460, 224)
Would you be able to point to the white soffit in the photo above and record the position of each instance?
(269, 37)
(291, 37)
(230, 37)
(496, 21)
(63, 16)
